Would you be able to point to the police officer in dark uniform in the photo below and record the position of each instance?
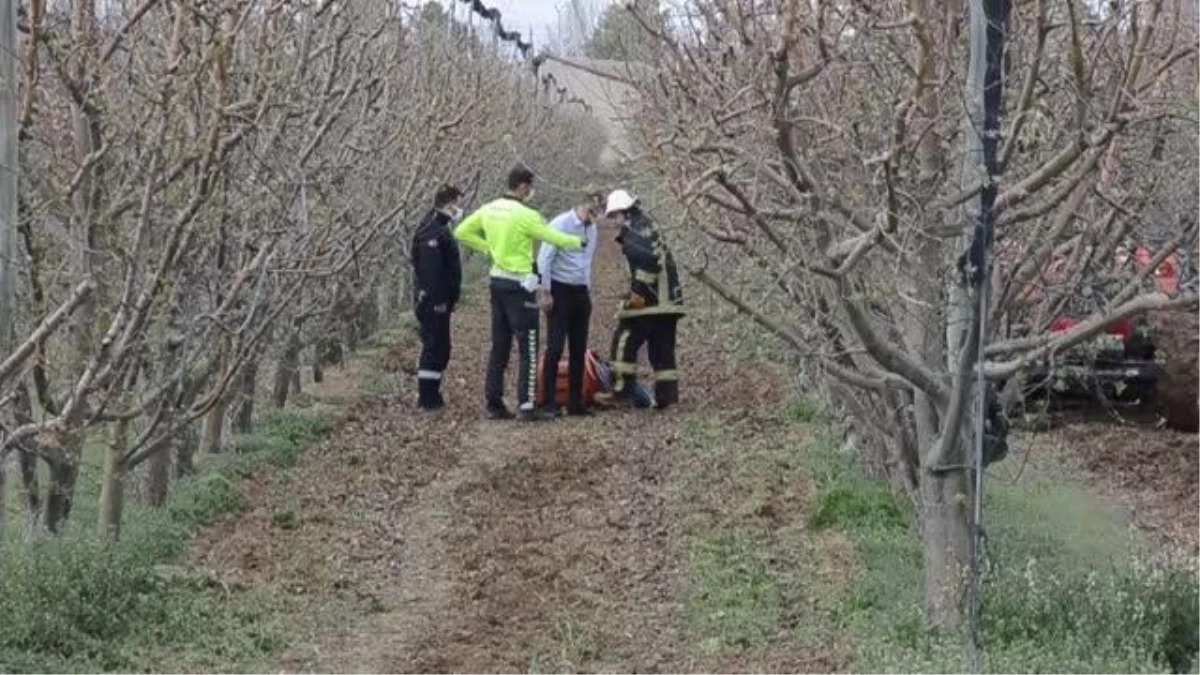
(437, 286)
(650, 314)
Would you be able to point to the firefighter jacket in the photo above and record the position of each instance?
(653, 279)
(505, 229)
(437, 269)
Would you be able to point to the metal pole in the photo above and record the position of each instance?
(995, 13)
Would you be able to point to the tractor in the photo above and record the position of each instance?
(1150, 360)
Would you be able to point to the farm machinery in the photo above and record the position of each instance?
(1146, 361)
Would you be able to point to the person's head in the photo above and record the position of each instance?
(520, 182)
(446, 198)
(591, 206)
(618, 206)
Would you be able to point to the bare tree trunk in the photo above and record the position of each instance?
(8, 198)
(184, 448)
(30, 489)
(389, 291)
(60, 493)
(288, 368)
(158, 477)
(947, 537)
(243, 392)
(112, 486)
(368, 314)
(87, 257)
(212, 440)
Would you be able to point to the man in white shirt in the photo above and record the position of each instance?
(566, 277)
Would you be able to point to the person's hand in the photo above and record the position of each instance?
(546, 302)
(440, 309)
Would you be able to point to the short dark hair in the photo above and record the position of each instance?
(445, 195)
(593, 199)
(520, 175)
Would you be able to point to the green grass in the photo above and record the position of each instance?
(77, 604)
(747, 578)
(1067, 588)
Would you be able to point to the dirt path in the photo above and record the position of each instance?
(411, 543)
(451, 543)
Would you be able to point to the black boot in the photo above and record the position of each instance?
(428, 396)
(498, 411)
(666, 394)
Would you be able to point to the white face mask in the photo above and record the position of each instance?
(456, 213)
(529, 197)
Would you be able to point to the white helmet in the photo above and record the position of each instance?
(619, 200)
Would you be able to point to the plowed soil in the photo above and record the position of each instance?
(1148, 472)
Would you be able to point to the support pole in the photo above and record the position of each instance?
(994, 15)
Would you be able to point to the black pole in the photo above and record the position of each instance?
(996, 14)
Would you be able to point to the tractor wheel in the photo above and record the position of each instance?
(1177, 394)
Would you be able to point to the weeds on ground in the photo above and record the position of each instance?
(746, 575)
(77, 604)
(1067, 588)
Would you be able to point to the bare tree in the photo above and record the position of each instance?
(817, 157)
(8, 195)
(233, 179)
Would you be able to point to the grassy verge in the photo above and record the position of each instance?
(76, 604)
(751, 567)
(1067, 588)
(796, 560)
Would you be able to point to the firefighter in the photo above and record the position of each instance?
(505, 230)
(654, 305)
(437, 286)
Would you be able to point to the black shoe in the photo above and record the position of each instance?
(499, 413)
(579, 411)
(431, 405)
(535, 416)
(427, 394)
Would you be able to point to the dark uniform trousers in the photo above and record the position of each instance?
(568, 325)
(434, 329)
(514, 314)
(657, 332)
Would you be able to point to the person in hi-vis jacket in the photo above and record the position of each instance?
(437, 286)
(650, 313)
(505, 230)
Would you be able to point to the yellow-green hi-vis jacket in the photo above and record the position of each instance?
(504, 229)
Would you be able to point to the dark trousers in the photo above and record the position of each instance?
(567, 323)
(434, 330)
(514, 314)
(657, 332)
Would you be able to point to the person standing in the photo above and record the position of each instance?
(505, 230)
(437, 287)
(566, 277)
(654, 306)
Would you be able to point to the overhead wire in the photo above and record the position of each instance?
(525, 47)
